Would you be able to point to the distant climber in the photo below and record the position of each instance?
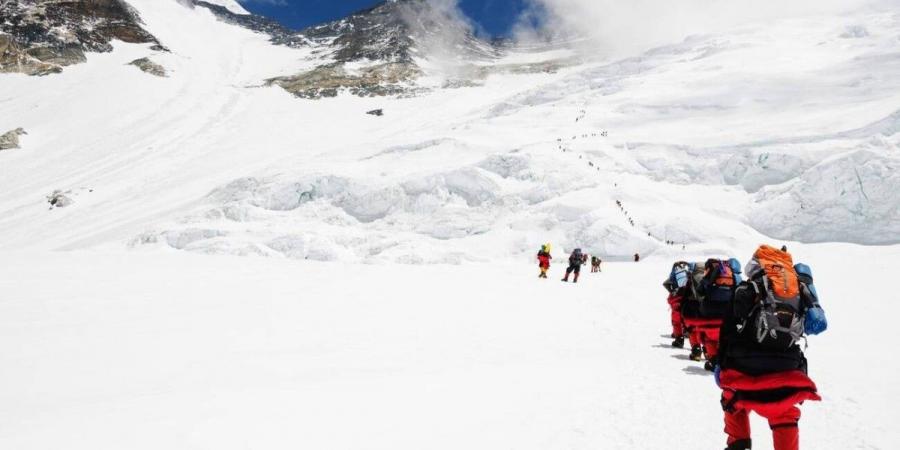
(576, 259)
(637, 257)
(544, 258)
(595, 264)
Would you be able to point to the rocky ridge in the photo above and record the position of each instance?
(40, 37)
(10, 139)
(373, 52)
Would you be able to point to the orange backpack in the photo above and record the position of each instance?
(778, 317)
(722, 272)
(779, 271)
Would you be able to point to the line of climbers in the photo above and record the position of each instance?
(749, 333)
(576, 259)
(618, 202)
(628, 217)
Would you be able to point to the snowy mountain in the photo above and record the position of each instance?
(785, 133)
(208, 242)
(384, 50)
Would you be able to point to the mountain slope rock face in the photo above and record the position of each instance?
(39, 37)
(396, 30)
(380, 50)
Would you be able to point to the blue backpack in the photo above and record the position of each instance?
(681, 274)
(736, 270)
(814, 321)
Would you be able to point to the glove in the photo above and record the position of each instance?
(815, 322)
(717, 373)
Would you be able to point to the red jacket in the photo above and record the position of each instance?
(544, 259)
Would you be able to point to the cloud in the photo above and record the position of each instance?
(442, 32)
(619, 27)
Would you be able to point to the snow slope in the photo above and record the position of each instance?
(231, 5)
(787, 129)
(113, 334)
(146, 351)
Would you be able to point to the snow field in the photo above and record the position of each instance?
(169, 350)
(427, 327)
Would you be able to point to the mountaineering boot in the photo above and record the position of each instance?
(696, 353)
(709, 366)
(566, 279)
(743, 444)
(678, 342)
(576, 278)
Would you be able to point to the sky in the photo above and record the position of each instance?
(495, 17)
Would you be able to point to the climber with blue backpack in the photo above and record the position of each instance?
(760, 366)
(714, 290)
(676, 285)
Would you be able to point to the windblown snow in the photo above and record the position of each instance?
(784, 131)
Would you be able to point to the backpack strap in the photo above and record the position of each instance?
(729, 400)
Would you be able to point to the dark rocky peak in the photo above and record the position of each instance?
(38, 37)
(394, 30)
(377, 51)
(378, 33)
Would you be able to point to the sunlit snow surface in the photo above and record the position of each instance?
(128, 339)
(134, 351)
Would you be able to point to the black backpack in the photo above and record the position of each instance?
(720, 281)
(774, 323)
(576, 257)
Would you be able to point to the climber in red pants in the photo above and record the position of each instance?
(760, 366)
(676, 285)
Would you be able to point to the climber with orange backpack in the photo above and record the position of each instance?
(760, 366)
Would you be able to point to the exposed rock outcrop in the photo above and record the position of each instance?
(10, 139)
(329, 80)
(148, 66)
(59, 199)
(40, 37)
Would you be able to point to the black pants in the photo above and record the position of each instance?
(573, 268)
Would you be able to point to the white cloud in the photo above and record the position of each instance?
(618, 27)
